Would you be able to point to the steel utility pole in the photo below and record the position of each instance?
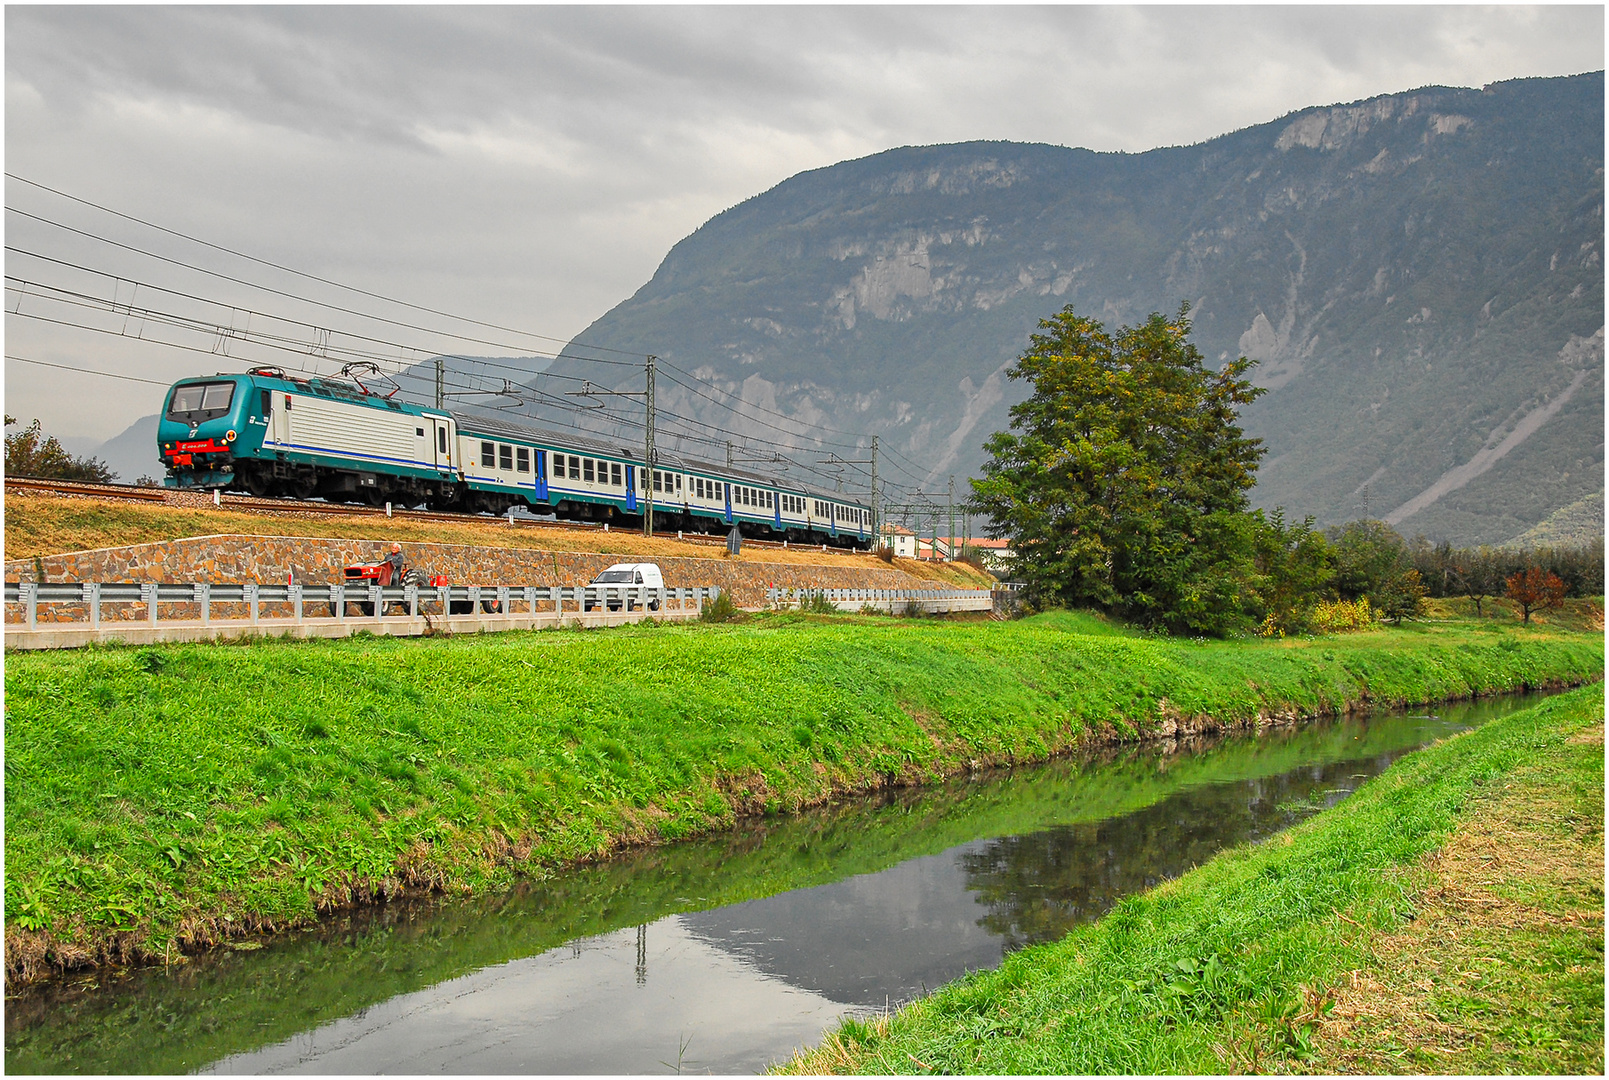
(949, 543)
(877, 537)
(441, 382)
(648, 454)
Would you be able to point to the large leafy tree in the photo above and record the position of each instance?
(1123, 480)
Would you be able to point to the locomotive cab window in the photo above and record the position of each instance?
(194, 402)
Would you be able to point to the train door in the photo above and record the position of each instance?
(542, 475)
(727, 488)
(631, 488)
(441, 442)
(278, 416)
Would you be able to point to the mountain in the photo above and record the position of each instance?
(132, 454)
(1419, 275)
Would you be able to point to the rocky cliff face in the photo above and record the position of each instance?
(1420, 277)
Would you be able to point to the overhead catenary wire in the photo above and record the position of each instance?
(296, 272)
(83, 370)
(313, 346)
(310, 352)
(287, 295)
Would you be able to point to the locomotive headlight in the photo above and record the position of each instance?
(229, 436)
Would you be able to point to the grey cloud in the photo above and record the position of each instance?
(532, 165)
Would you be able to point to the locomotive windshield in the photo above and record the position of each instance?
(194, 402)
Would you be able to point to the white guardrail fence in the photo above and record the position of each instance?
(76, 613)
(77, 610)
(893, 601)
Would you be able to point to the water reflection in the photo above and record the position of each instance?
(726, 954)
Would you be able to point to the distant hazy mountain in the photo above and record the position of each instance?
(132, 454)
(1420, 275)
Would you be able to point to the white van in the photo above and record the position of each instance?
(626, 584)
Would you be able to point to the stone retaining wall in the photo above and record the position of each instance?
(317, 560)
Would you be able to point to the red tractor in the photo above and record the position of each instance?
(391, 570)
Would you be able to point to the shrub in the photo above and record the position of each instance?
(1340, 616)
(816, 603)
(719, 610)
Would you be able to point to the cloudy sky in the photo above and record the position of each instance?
(529, 167)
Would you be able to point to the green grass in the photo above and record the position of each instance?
(163, 798)
(1236, 966)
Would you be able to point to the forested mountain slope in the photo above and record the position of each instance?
(1420, 276)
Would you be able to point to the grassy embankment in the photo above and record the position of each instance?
(38, 525)
(1447, 918)
(164, 798)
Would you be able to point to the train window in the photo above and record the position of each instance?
(522, 458)
(441, 439)
(488, 455)
(268, 402)
(418, 432)
(678, 482)
(196, 402)
(586, 469)
(659, 482)
(505, 456)
(558, 465)
(614, 473)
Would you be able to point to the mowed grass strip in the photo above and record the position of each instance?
(1501, 970)
(1446, 918)
(161, 799)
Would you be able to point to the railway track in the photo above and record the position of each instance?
(254, 504)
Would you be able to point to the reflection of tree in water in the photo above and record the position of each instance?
(1039, 886)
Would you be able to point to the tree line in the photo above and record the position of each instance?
(1123, 487)
(30, 452)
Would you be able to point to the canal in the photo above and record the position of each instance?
(721, 955)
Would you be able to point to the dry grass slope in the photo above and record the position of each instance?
(39, 525)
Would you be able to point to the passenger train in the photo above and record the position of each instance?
(270, 433)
